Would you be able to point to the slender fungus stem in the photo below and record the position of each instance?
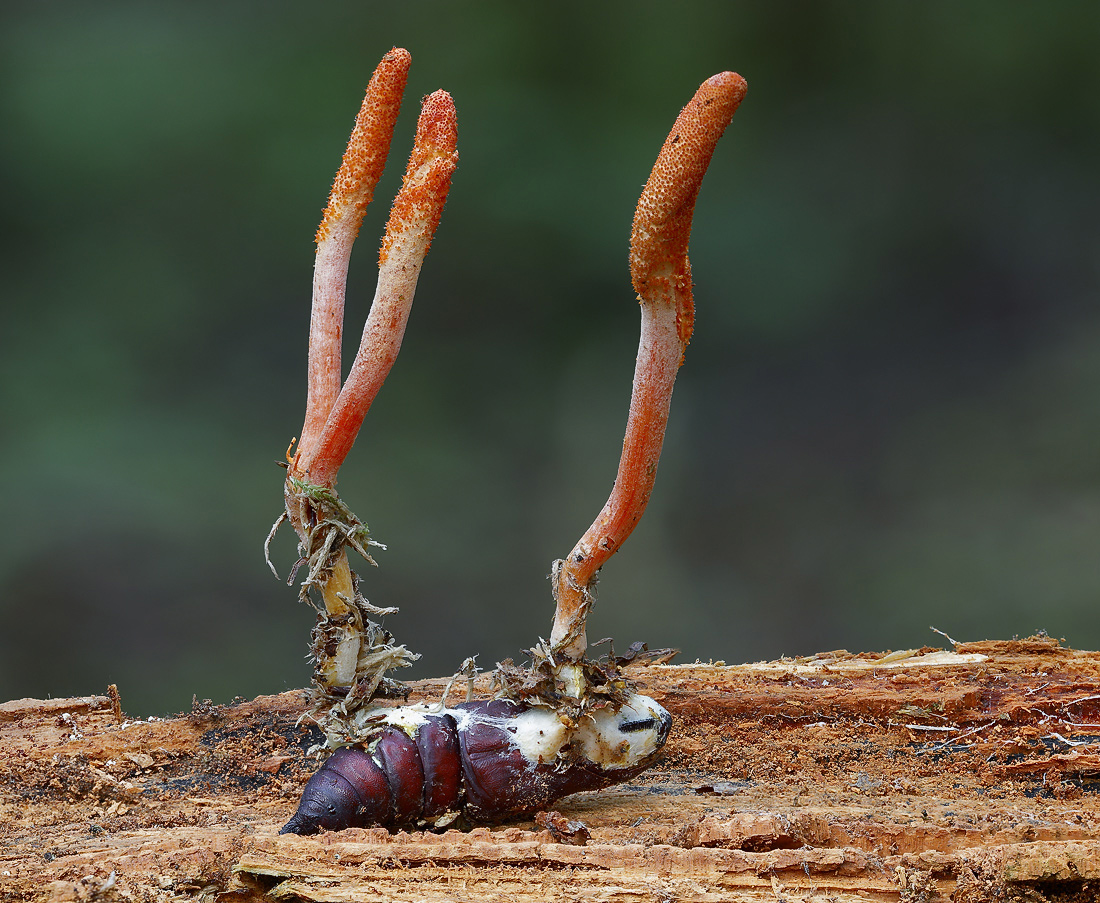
(352, 191)
(661, 275)
(413, 221)
(344, 653)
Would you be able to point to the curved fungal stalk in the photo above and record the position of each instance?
(661, 274)
(350, 653)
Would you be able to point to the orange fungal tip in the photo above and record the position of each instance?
(368, 146)
(728, 80)
(438, 122)
(401, 55)
(419, 203)
(662, 221)
(436, 131)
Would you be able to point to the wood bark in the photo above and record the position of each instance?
(966, 775)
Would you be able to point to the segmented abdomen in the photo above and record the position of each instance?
(489, 760)
(402, 782)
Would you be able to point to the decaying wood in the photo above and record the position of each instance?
(965, 775)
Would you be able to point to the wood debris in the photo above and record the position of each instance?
(830, 790)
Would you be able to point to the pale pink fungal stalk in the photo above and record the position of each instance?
(413, 221)
(344, 652)
(661, 275)
(352, 192)
(334, 415)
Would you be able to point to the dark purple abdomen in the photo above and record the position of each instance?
(349, 790)
(437, 744)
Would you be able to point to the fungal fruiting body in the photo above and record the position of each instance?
(564, 724)
(350, 652)
(661, 274)
(488, 760)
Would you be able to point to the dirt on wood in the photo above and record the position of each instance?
(971, 774)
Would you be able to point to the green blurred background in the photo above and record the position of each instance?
(889, 417)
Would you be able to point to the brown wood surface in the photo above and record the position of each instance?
(966, 775)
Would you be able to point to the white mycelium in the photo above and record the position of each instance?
(540, 734)
(409, 718)
(602, 740)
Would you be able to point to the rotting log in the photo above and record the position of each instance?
(922, 775)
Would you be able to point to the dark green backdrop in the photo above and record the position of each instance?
(889, 417)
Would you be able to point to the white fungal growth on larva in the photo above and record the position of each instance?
(603, 741)
(409, 717)
(541, 735)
